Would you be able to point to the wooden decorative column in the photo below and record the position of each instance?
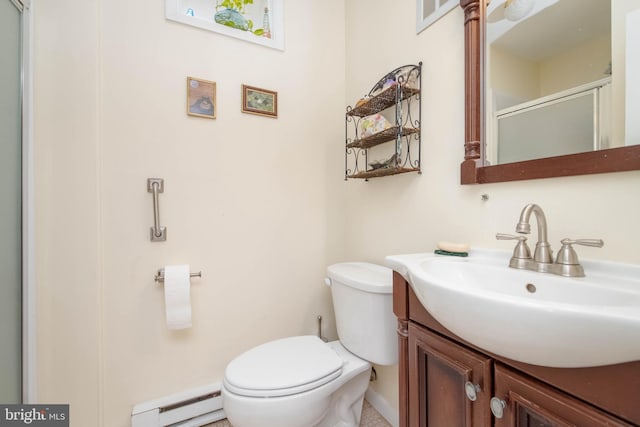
(473, 39)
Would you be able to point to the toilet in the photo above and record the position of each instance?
(303, 381)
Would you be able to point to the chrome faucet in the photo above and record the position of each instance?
(566, 264)
(542, 253)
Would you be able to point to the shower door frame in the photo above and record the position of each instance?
(28, 205)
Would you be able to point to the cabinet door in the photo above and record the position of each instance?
(525, 402)
(439, 371)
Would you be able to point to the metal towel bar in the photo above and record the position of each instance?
(160, 275)
(155, 186)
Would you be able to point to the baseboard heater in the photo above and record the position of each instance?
(191, 408)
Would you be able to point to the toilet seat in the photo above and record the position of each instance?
(283, 367)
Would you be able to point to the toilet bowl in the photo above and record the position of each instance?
(303, 381)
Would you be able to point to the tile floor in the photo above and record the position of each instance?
(370, 418)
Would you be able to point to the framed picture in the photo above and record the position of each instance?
(259, 101)
(429, 11)
(255, 21)
(201, 98)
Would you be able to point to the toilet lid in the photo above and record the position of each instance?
(363, 276)
(283, 367)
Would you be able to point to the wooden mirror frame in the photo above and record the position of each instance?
(472, 170)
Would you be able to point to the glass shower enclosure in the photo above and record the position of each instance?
(10, 201)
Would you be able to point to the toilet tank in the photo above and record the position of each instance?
(362, 296)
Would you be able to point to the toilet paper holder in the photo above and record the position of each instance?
(159, 277)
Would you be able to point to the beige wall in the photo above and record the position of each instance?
(246, 197)
(526, 80)
(584, 64)
(514, 77)
(260, 205)
(68, 211)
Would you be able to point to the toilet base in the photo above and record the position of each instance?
(346, 408)
(335, 404)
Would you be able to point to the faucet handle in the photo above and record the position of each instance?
(504, 236)
(567, 263)
(521, 251)
(567, 255)
(598, 243)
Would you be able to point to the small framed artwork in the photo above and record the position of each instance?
(201, 98)
(259, 101)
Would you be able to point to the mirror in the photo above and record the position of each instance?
(516, 124)
(549, 93)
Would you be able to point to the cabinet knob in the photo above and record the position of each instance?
(497, 407)
(471, 390)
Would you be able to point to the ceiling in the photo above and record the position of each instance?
(552, 27)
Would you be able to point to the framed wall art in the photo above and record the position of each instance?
(201, 98)
(255, 21)
(259, 101)
(429, 11)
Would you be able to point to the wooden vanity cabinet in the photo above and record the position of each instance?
(530, 403)
(437, 370)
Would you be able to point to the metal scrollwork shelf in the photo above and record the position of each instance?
(386, 114)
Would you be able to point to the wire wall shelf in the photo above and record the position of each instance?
(390, 112)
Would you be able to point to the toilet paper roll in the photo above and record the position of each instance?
(177, 296)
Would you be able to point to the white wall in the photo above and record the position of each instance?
(245, 200)
(412, 212)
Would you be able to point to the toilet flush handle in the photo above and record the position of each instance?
(327, 281)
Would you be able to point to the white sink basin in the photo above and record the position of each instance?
(531, 317)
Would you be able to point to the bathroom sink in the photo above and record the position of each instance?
(531, 317)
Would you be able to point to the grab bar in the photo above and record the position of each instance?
(155, 186)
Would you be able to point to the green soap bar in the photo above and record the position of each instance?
(441, 252)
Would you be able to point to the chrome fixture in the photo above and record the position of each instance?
(472, 390)
(497, 406)
(320, 330)
(159, 277)
(542, 253)
(566, 263)
(373, 376)
(156, 186)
